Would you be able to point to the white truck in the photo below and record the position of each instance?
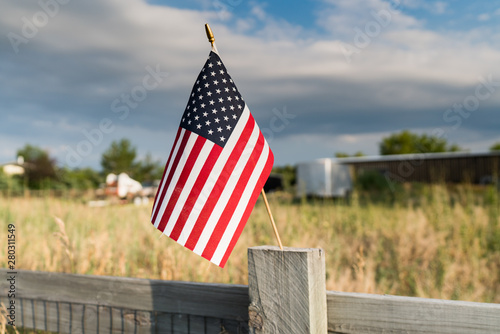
(323, 178)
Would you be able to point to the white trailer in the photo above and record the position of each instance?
(323, 178)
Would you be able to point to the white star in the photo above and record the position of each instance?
(192, 95)
(212, 73)
(209, 93)
(231, 107)
(228, 127)
(204, 77)
(194, 109)
(237, 98)
(229, 98)
(234, 89)
(199, 89)
(210, 65)
(219, 62)
(217, 120)
(226, 118)
(222, 138)
(221, 99)
(198, 126)
(197, 81)
(219, 129)
(216, 82)
(224, 80)
(211, 102)
(188, 114)
(189, 122)
(221, 71)
(239, 106)
(226, 89)
(210, 132)
(217, 91)
(202, 105)
(214, 111)
(196, 117)
(206, 85)
(205, 114)
(223, 108)
(200, 97)
(234, 116)
(207, 122)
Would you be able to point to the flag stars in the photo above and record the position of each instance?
(208, 122)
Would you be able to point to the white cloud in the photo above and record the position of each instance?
(93, 52)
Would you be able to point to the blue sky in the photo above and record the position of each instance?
(320, 76)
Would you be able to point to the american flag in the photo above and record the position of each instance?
(217, 167)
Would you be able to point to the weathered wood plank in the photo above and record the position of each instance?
(227, 301)
(365, 313)
(287, 290)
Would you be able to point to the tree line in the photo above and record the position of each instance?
(42, 171)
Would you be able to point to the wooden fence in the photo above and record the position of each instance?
(286, 294)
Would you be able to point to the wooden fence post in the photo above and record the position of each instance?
(287, 290)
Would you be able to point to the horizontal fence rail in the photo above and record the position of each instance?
(71, 303)
(366, 313)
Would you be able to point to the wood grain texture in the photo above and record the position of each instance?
(360, 313)
(69, 303)
(287, 290)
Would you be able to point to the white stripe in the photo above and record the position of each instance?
(175, 177)
(227, 192)
(242, 205)
(213, 177)
(172, 158)
(195, 171)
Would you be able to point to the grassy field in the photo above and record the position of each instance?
(440, 243)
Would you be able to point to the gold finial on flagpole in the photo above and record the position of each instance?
(210, 34)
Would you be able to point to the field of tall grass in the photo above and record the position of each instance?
(437, 242)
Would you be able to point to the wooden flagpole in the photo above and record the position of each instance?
(211, 39)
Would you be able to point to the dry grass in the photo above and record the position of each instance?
(440, 245)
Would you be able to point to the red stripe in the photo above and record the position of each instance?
(172, 170)
(155, 212)
(219, 185)
(235, 198)
(186, 170)
(251, 203)
(195, 191)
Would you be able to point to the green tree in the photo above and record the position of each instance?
(84, 178)
(40, 168)
(346, 155)
(148, 169)
(406, 142)
(495, 147)
(119, 158)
